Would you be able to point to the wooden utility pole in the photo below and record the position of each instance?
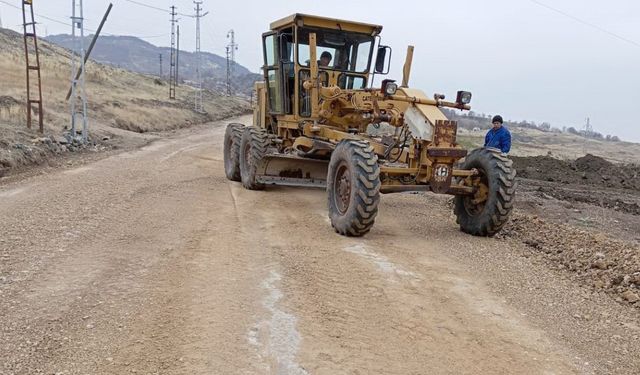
(32, 58)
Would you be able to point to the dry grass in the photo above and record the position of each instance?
(533, 142)
(118, 99)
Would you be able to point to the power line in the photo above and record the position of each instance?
(594, 26)
(39, 15)
(86, 28)
(155, 8)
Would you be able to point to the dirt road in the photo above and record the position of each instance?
(151, 262)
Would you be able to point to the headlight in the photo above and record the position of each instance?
(464, 97)
(391, 89)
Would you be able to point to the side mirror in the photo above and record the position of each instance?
(382, 60)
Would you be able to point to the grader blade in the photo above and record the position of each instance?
(290, 170)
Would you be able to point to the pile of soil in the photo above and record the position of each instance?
(596, 260)
(588, 170)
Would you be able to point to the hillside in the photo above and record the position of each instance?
(529, 139)
(139, 56)
(123, 105)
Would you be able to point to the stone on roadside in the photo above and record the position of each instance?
(630, 296)
(599, 264)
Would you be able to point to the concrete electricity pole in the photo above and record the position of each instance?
(78, 93)
(231, 58)
(178, 57)
(198, 96)
(228, 71)
(172, 62)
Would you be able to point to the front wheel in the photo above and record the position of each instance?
(253, 148)
(353, 188)
(488, 210)
(231, 153)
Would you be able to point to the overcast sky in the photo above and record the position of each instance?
(518, 58)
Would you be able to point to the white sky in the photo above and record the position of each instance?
(518, 58)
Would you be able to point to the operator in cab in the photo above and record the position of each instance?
(498, 136)
(325, 59)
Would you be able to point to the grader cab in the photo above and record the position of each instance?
(318, 122)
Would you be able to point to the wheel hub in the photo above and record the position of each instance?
(475, 204)
(343, 189)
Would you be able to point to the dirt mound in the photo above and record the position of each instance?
(588, 170)
(598, 261)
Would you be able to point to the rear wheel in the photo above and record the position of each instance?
(353, 188)
(253, 148)
(486, 212)
(232, 139)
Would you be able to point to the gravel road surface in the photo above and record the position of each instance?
(151, 262)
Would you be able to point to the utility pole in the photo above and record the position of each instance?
(78, 93)
(160, 56)
(31, 47)
(172, 62)
(178, 57)
(231, 58)
(198, 96)
(588, 128)
(228, 71)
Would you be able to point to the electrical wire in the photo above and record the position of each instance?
(86, 28)
(157, 8)
(39, 15)
(594, 26)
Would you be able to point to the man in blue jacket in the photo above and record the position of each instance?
(498, 136)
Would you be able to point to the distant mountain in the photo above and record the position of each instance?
(139, 56)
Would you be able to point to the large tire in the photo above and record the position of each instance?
(232, 139)
(253, 148)
(499, 177)
(353, 188)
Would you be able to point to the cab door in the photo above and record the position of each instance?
(273, 73)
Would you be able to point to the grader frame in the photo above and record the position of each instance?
(312, 127)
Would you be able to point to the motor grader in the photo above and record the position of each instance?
(318, 122)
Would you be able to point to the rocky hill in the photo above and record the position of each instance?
(139, 56)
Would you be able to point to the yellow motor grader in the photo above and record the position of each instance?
(318, 122)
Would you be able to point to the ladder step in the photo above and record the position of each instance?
(30, 23)
(34, 67)
(34, 101)
(29, 35)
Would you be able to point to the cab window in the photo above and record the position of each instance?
(347, 51)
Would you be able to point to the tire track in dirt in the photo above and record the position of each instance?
(359, 310)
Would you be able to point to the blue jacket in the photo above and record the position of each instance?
(500, 139)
